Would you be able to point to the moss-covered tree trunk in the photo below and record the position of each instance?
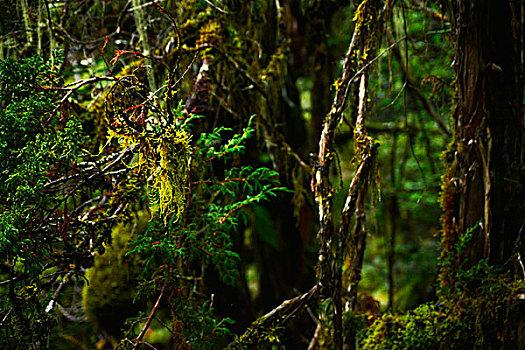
(484, 186)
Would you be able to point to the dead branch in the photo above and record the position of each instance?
(362, 46)
(278, 316)
(138, 340)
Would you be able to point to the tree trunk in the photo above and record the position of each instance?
(484, 187)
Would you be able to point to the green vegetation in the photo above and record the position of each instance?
(478, 312)
(289, 174)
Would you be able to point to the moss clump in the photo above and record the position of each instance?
(449, 261)
(482, 310)
(427, 327)
(108, 297)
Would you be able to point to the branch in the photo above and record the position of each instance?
(357, 247)
(216, 7)
(394, 129)
(72, 88)
(85, 167)
(360, 45)
(359, 179)
(315, 338)
(280, 315)
(51, 303)
(427, 104)
(431, 11)
(358, 73)
(322, 187)
(357, 60)
(101, 39)
(138, 340)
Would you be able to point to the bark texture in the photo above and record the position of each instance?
(487, 159)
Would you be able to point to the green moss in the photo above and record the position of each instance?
(164, 161)
(172, 171)
(481, 311)
(260, 335)
(108, 296)
(427, 327)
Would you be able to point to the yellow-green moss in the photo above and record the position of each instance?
(108, 295)
(482, 311)
(164, 161)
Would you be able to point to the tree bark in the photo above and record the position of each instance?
(487, 159)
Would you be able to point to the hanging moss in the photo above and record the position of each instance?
(161, 157)
(172, 172)
(165, 161)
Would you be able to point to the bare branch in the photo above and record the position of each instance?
(216, 7)
(138, 340)
(280, 315)
(72, 88)
(427, 104)
(362, 46)
(51, 303)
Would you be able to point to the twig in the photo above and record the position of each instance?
(143, 5)
(93, 165)
(427, 104)
(119, 53)
(69, 316)
(101, 39)
(51, 303)
(185, 72)
(174, 22)
(86, 42)
(14, 279)
(6, 316)
(70, 90)
(315, 338)
(216, 7)
(78, 185)
(216, 181)
(138, 340)
(143, 343)
(102, 53)
(431, 11)
(376, 58)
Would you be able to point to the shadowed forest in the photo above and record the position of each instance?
(262, 174)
